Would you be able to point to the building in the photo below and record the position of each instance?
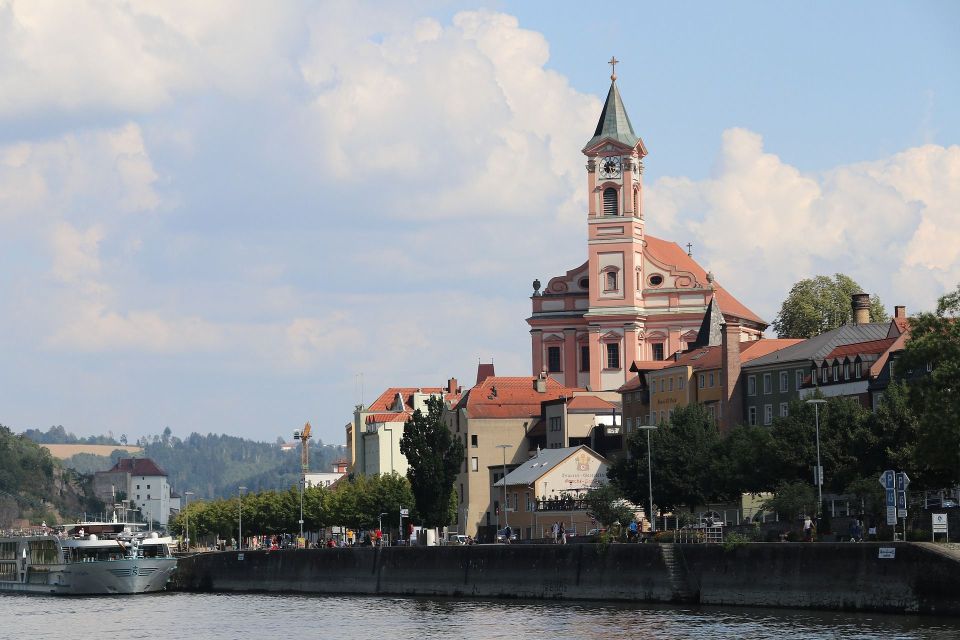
(773, 381)
(326, 478)
(144, 484)
(374, 436)
(549, 488)
(493, 420)
(637, 297)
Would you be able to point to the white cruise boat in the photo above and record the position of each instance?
(86, 558)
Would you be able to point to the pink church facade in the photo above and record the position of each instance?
(637, 298)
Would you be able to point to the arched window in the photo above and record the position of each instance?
(611, 281)
(610, 207)
(636, 204)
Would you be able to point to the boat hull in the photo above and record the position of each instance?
(119, 577)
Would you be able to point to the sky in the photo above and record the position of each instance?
(234, 219)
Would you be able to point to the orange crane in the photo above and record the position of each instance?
(304, 438)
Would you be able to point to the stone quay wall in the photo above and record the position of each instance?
(919, 578)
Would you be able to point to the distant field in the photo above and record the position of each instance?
(64, 451)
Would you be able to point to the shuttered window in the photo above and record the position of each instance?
(610, 202)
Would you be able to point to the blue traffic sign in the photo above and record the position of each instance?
(887, 480)
(891, 497)
(903, 480)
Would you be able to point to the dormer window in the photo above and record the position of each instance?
(610, 202)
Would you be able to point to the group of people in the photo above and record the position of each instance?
(558, 533)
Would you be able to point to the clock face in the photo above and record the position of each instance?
(610, 167)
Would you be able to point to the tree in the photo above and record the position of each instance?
(793, 499)
(686, 463)
(934, 346)
(434, 457)
(819, 304)
(747, 466)
(607, 505)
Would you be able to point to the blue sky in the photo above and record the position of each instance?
(218, 220)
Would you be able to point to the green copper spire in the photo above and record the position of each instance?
(614, 122)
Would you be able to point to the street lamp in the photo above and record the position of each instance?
(240, 491)
(816, 402)
(506, 518)
(186, 514)
(648, 428)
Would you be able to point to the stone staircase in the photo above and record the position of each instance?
(677, 573)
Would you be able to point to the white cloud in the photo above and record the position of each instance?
(761, 224)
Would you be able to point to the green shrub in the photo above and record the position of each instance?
(733, 540)
(918, 535)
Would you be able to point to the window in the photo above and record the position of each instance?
(610, 207)
(461, 493)
(751, 385)
(584, 357)
(636, 206)
(836, 371)
(752, 415)
(526, 496)
(671, 384)
(655, 280)
(628, 423)
(555, 423)
(474, 464)
(661, 385)
(783, 410)
(682, 382)
(148, 486)
(799, 375)
(784, 382)
(148, 496)
(703, 379)
(657, 350)
(611, 281)
(823, 373)
(138, 487)
(473, 441)
(711, 379)
(553, 359)
(767, 413)
(613, 355)
(858, 371)
(767, 384)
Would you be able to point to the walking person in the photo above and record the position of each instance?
(563, 534)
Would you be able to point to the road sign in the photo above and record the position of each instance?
(404, 513)
(901, 499)
(887, 480)
(887, 552)
(891, 515)
(891, 497)
(903, 481)
(939, 522)
(901, 513)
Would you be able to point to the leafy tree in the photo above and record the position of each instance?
(935, 343)
(434, 456)
(793, 499)
(686, 467)
(819, 304)
(607, 504)
(747, 465)
(870, 496)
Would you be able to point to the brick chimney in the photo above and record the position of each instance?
(861, 308)
(540, 383)
(452, 385)
(732, 402)
(899, 311)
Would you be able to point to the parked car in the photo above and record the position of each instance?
(457, 539)
(502, 535)
(941, 503)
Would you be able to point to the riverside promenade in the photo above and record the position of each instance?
(903, 577)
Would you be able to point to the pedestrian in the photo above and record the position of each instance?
(632, 531)
(563, 534)
(555, 533)
(807, 529)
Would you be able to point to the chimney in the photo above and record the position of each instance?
(540, 384)
(900, 311)
(452, 385)
(731, 408)
(861, 308)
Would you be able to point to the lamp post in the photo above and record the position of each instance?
(506, 518)
(816, 402)
(240, 491)
(648, 428)
(186, 515)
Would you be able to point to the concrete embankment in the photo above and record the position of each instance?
(917, 579)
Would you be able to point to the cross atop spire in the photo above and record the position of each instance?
(613, 68)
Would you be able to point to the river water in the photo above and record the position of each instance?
(283, 617)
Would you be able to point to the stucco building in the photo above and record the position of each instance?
(637, 297)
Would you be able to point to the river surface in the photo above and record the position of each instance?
(283, 617)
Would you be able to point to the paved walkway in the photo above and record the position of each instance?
(951, 549)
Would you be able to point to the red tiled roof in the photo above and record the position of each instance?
(671, 253)
(711, 357)
(635, 382)
(898, 345)
(138, 467)
(639, 366)
(511, 397)
(385, 403)
(388, 417)
(589, 403)
(871, 347)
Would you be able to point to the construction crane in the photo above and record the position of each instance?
(304, 438)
